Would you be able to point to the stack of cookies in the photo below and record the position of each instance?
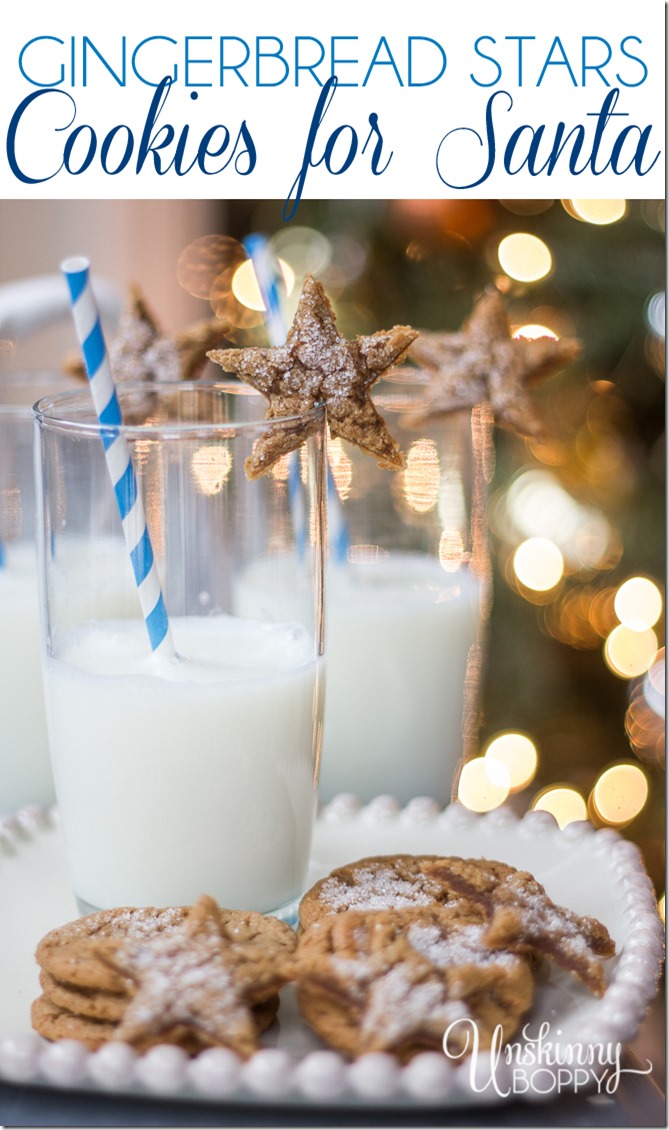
(393, 953)
(194, 976)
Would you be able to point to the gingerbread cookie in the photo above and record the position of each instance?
(65, 954)
(397, 980)
(484, 363)
(57, 1023)
(141, 353)
(96, 1004)
(521, 914)
(318, 364)
(198, 977)
(379, 882)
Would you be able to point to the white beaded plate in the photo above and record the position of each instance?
(593, 872)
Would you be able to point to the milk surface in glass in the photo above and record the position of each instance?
(180, 778)
(399, 633)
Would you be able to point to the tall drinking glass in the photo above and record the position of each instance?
(25, 769)
(408, 599)
(178, 777)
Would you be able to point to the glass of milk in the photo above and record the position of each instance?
(408, 595)
(178, 777)
(25, 768)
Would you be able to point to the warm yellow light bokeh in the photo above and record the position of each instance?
(538, 564)
(518, 753)
(620, 793)
(629, 653)
(638, 603)
(210, 466)
(524, 257)
(245, 284)
(660, 907)
(421, 476)
(452, 550)
(564, 803)
(532, 331)
(599, 211)
(483, 785)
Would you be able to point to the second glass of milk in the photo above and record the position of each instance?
(408, 595)
(25, 768)
(177, 777)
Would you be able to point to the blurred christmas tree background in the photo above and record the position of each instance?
(576, 661)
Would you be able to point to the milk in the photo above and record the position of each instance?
(398, 636)
(25, 770)
(25, 766)
(177, 779)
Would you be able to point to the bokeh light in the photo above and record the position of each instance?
(538, 564)
(452, 552)
(537, 505)
(660, 907)
(306, 250)
(563, 802)
(420, 478)
(203, 260)
(619, 794)
(654, 685)
(656, 314)
(483, 784)
(210, 466)
(245, 287)
(532, 331)
(524, 257)
(629, 653)
(597, 211)
(518, 753)
(638, 603)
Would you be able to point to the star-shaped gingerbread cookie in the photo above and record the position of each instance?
(198, 980)
(396, 980)
(318, 364)
(140, 352)
(483, 362)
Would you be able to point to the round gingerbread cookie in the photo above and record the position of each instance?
(68, 952)
(378, 882)
(95, 1004)
(56, 1023)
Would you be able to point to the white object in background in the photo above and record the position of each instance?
(29, 305)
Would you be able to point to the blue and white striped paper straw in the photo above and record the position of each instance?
(117, 453)
(272, 289)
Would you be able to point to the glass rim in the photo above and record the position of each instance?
(45, 412)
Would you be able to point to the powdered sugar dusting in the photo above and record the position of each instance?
(400, 1007)
(377, 889)
(464, 946)
(181, 984)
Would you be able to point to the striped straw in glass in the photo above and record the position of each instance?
(117, 453)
